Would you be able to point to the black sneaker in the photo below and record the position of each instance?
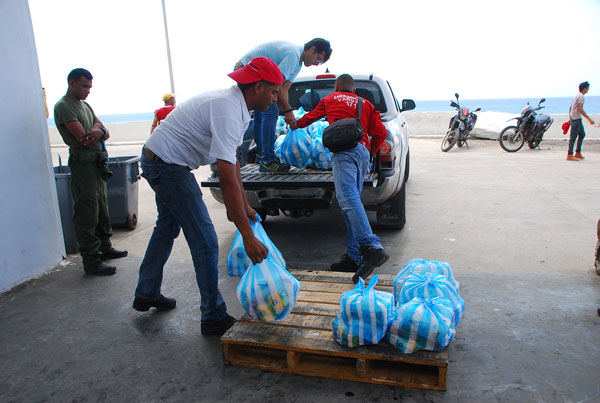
(99, 269)
(113, 253)
(220, 327)
(372, 258)
(161, 304)
(273, 166)
(346, 264)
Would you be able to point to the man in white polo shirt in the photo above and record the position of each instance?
(206, 128)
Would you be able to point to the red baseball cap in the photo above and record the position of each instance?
(257, 69)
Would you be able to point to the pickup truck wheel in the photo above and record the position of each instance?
(396, 217)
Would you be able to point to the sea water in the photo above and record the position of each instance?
(554, 105)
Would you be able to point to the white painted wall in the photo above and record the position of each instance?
(31, 238)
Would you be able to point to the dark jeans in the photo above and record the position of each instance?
(180, 206)
(91, 220)
(577, 134)
(264, 132)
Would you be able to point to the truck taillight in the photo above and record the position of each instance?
(385, 152)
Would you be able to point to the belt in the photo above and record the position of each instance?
(149, 154)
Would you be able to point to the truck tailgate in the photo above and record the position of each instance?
(253, 179)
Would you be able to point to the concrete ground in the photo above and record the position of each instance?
(518, 229)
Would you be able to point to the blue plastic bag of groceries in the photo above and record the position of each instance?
(238, 261)
(423, 266)
(296, 148)
(267, 291)
(365, 315)
(430, 285)
(320, 156)
(277, 146)
(422, 324)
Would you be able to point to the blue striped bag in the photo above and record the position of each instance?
(423, 266)
(365, 315)
(320, 156)
(277, 146)
(422, 324)
(238, 261)
(296, 148)
(430, 285)
(267, 291)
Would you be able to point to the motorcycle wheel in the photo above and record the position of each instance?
(450, 139)
(511, 140)
(533, 144)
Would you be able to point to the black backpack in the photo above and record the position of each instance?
(344, 134)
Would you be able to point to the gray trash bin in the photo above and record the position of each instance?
(62, 176)
(122, 190)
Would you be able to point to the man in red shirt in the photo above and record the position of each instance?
(161, 113)
(364, 249)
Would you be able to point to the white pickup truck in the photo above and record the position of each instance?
(300, 192)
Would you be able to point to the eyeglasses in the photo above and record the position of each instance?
(319, 61)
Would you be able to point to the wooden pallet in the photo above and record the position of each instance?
(303, 342)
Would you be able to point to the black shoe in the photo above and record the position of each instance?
(220, 327)
(161, 304)
(273, 166)
(372, 258)
(113, 253)
(100, 269)
(346, 264)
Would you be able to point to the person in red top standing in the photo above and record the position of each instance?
(364, 249)
(161, 113)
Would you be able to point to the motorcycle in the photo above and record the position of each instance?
(530, 127)
(460, 126)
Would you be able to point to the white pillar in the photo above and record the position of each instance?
(31, 238)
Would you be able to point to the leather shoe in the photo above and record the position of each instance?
(372, 258)
(219, 327)
(161, 304)
(113, 253)
(346, 264)
(100, 269)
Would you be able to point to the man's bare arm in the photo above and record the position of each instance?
(235, 202)
(84, 138)
(584, 114)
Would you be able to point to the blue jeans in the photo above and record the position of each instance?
(577, 135)
(180, 206)
(264, 132)
(349, 170)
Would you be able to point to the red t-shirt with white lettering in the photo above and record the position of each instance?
(342, 105)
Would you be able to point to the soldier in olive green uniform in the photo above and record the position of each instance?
(83, 132)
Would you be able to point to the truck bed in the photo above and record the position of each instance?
(253, 179)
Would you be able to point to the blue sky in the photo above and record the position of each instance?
(426, 49)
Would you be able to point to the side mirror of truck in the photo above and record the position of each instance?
(408, 105)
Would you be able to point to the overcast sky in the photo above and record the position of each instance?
(426, 49)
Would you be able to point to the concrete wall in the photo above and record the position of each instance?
(32, 238)
(132, 132)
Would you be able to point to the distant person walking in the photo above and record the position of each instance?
(83, 132)
(207, 128)
(364, 250)
(161, 113)
(289, 58)
(576, 113)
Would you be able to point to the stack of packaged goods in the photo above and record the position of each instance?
(427, 308)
